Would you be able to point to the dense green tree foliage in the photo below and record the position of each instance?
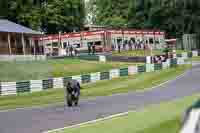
(110, 12)
(174, 16)
(49, 16)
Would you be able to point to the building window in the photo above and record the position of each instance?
(48, 45)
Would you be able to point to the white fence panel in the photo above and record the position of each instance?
(36, 85)
(58, 83)
(166, 64)
(95, 77)
(132, 70)
(8, 88)
(114, 73)
(148, 60)
(180, 61)
(102, 58)
(185, 55)
(78, 78)
(194, 53)
(149, 67)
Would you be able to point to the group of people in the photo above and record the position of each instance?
(130, 45)
(91, 48)
(159, 58)
(72, 51)
(167, 53)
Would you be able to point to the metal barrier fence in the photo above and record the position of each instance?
(23, 57)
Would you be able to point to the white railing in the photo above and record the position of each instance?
(22, 57)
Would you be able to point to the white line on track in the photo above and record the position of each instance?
(89, 122)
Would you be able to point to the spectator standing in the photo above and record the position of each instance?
(119, 48)
(89, 48)
(67, 49)
(130, 45)
(124, 45)
(76, 52)
(71, 50)
(93, 49)
(113, 47)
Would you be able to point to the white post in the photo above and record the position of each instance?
(148, 59)
(10, 51)
(43, 46)
(59, 39)
(154, 39)
(153, 46)
(15, 43)
(51, 47)
(30, 43)
(33, 42)
(23, 44)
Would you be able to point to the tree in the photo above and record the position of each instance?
(176, 17)
(64, 15)
(3, 8)
(111, 13)
(49, 16)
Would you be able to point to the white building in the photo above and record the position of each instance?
(105, 40)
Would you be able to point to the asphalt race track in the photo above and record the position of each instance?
(37, 120)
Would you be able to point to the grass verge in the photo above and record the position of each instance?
(195, 58)
(137, 82)
(15, 71)
(153, 119)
